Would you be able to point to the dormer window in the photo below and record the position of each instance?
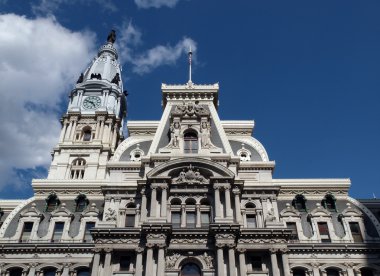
(190, 142)
(52, 202)
(77, 168)
(299, 203)
(329, 203)
(81, 203)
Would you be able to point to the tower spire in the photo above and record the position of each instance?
(190, 55)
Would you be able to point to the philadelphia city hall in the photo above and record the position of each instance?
(187, 195)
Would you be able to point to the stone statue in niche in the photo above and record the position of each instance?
(206, 135)
(174, 135)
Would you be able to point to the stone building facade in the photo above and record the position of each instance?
(188, 195)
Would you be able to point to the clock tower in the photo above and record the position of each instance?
(92, 127)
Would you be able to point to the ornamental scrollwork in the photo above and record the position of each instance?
(171, 260)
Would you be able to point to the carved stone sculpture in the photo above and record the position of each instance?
(174, 135)
(110, 215)
(111, 37)
(190, 177)
(206, 135)
(171, 260)
(190, 109)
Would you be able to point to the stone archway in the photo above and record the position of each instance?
(190, 269)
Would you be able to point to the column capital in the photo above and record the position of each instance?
(273, 250)
(108, 250)
(315, 264)
(284, 250)
(236, 191)
(142, 192)
(139, 249)
(241, 250)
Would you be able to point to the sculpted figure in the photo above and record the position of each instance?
(205, 136)
(111, 37)
(111, 215)
(174, 135)
(208, 259)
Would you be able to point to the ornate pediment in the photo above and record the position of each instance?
(190, 176)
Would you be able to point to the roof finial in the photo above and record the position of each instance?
(111, 38)
(190, 55)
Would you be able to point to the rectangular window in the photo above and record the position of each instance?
(251, 221)
(324, 231)
(130, 220)
(125, 263)
(205, 219)
(292, 226)
(58, 231)
(190, 220)
(355, 231)
(27, 231)
(87, 233)
(176, 220)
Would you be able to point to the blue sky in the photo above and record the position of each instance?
(307, 72)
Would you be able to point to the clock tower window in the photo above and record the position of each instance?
(86, 134)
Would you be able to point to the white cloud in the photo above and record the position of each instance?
(40, 62)
(145, 62)
(145, 4)
(50, 6)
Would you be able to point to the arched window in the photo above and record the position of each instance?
(83, 272)
(190, 142)
(77, 168)
(299, 272)
(251, 219)
(49, 271)
(15, 271)
(299, 203)
(81, 203)
(130, 215)
(86, 134)
(190, 213)
(176, 212)
(52, 202)
(332, 272)
(205, 213)
(329, 203)
(190, 269)
(366, 272)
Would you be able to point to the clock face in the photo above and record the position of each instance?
(91, 102)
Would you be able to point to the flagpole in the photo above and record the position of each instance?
(190, 54)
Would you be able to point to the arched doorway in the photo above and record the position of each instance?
(190, 269)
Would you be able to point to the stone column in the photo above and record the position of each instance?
(227, 195)
(242, 263)
(143, 205)
(275, 208)
(161, 260)
(63, 131)
(315, 269)
(164, 198)
(72, 134)
(236, 192)
(324, 273)
(107, 263)
(97, 130)
(32, 269)
(66, 270)
(260, 219)
(273, 258)
(95, 264)
(359, 273)
(217, 202)
(244, 219)
(106, 136)
(114, 136)
(139, 258)
(183, 215)
(220, 261)
(149, 260)
(198, 208)
(285, 263)
(153, 201)
(68, 131)
(350, 271)
(231, 260)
